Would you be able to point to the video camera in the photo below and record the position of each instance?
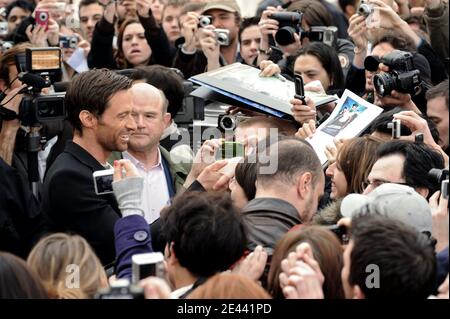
(440, 177)
(289, 25)
(41, 65)
(326, 35)
(403, 77)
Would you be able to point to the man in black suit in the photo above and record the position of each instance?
(99, 104)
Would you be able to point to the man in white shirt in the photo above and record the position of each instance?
(150, 114)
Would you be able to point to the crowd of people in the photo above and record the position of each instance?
(273, 223)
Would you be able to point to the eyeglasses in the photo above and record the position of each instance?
(377, 183)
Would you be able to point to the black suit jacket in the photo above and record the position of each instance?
(69, 199)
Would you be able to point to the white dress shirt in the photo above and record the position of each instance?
(156, 193)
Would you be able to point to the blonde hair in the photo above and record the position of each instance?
(229, 286)
(52, 259)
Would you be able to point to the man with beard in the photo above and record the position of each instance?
(99, 105)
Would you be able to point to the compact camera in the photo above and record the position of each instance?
(365, 9)
(222, 36)
(204, 21)
(68, 42)
(121, 289)
(103, 181)
(396, 127)
(326, 35)
(4, 28)
(42, 17)
(146, 265)
(289, 24)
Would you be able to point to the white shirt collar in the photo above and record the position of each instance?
(137, 163)
(176, 294)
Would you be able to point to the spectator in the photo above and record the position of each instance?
(99, 107)
(399, 256)
(243, 185)
(325, 248)
(437, 111)
(90, 12)
(436, 19)
(229, 286)
(170, 19)
(16, 12)
(354, 161)
(18, 281)
(54, 259)
(204, 235)
(395, 201)
(286, 195)
(405, 163)
(189, 60)
(249, 40)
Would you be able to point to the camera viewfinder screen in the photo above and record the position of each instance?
(45, 60)
(104, 184)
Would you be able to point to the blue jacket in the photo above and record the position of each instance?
(132, 236)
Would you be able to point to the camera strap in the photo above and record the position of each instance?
(7, 114)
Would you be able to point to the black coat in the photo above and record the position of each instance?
(69, 199)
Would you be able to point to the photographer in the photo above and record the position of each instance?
(224, 27)
(314, 14)
(140, 42)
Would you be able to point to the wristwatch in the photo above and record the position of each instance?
(266, 52)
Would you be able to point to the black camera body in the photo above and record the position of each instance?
(41, 108)
(326, 35)
(402, 77)
(289, 24)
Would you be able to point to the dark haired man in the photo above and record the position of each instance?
(407, 163)
(387, 259)
(99, 105)
(16, 12)
(90, 12)
(204, 235)
(437, 111)
(249, 40)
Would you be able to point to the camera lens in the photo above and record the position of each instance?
(228, 123)
(43, 16)
(222, 38)
(204, 21)
(285, 36)
(384, 83)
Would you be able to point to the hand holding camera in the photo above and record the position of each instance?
(268, 26)
(357, 30)
(210, 47)
(439, 212)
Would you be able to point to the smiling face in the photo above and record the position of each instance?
(338, 181)
(310, 68)
(135, 46)
(116, 124)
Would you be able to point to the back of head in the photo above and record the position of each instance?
(165, 79)
(283, 127)
(440, 90)
(355, 159)
(17, 281)
(326, 250)
(229, 286)
(419, 160)
(7, 59)
(404, 258)
(206, 231)
(91, 91)
(56, 257)
(289, 158)
(245, 175)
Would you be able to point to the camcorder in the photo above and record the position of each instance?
(289, 24)
(68, 42)
(38, 67)
(365, 9)
(403, 77)
(326, 35)
(121, 289)
(229, 122)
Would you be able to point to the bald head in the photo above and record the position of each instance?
(144, 94)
